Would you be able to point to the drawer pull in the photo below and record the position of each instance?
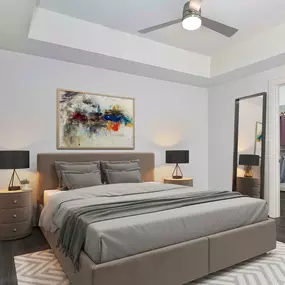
(14, 216)
(14, 230)
(15, 201)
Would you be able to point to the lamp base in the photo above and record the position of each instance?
(11, 186)
(247, 171)
(14, 188)
(177, 177)
(176, 174)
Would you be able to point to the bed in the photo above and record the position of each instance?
(202, 239)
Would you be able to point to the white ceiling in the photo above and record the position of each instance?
(250, 17)
(241, 56)
(15, 17)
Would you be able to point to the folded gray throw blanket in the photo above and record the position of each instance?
(73, 232)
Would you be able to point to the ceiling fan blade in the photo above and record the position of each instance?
(219, 27)
(160, 26)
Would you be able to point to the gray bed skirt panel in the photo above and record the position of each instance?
(235, 246)
(172, 265)
(177, 264)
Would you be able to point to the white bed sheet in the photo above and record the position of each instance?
(49, 193)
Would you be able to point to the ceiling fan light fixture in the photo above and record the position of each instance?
(192, 22)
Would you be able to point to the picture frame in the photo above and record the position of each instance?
(90, 121)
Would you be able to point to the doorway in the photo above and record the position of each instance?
(282, 138)
(272, 157)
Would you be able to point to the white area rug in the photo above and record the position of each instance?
(42, 268)
(39, 268)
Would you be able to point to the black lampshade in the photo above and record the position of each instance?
(14, 159)
(177, 156)
(249, 159)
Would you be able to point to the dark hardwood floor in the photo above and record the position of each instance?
(36, 242)
(8, 249)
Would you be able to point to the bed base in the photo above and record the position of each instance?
(176, 264)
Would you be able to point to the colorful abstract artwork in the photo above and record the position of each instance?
(93, 121)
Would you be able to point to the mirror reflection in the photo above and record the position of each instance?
(249, 149)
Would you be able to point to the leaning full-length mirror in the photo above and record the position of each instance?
(249, 145)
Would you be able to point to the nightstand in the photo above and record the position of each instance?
(183, 181)
(248, 186)
(15, 214)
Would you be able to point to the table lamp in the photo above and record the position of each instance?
(177, 156)
(14, 159)
(248, 160)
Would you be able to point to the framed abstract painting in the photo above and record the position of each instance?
(94, 121)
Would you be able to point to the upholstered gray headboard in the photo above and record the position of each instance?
(47, 178)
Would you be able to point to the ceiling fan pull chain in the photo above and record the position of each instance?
(195, 5)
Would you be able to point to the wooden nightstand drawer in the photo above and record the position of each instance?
(8, 216)
(15, 230)
(15, 200)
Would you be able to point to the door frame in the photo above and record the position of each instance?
(272, 167)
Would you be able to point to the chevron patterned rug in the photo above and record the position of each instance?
(39, 268)
(42, 268)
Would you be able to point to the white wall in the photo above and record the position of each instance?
(168, 115)
(221, 122)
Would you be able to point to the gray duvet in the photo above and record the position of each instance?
(107, 239)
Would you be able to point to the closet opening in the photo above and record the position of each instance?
(282, 139)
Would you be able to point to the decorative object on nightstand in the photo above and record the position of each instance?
(25, 184)
(15, 214)
(182, 181)
(177, 156)
(14, 159)
(248, 160)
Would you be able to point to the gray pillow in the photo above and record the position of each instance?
(123, 176)
(118, 166)
(75, 180)
(87, 166)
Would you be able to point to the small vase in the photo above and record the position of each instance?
(25, 187)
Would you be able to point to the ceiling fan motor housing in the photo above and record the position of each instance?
(188, 12)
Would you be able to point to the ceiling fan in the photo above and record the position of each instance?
(192, 20)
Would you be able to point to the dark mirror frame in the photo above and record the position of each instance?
(236, 128)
